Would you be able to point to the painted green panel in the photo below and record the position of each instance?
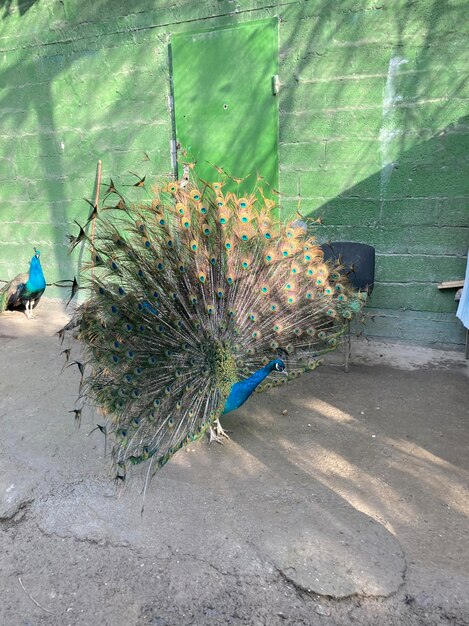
(226, 112)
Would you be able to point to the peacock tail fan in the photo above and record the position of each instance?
(192, 291)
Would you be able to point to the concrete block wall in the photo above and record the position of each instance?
(374, 130)
(374, 139)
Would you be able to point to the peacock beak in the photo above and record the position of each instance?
(284, 372)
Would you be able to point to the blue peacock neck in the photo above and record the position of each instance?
(255, 379)
(36, 280)
(241, 391)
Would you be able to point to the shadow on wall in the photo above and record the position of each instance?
(414, 212)
(376, 146)
(79, 91)
(346, 77)
(23, 6)
(67, 105)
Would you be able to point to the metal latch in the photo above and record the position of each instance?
(275, 84)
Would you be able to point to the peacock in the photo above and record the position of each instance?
(198, 297)
(25, 289)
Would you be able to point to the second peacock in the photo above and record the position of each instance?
(196, 297)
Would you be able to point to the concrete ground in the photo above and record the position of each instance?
(340, 499)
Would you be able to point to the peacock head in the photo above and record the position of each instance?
(37, 253)
(279, 366)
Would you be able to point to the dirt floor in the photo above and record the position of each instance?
(340, 499)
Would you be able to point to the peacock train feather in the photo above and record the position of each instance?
(196, 296)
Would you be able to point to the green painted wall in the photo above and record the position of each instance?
(374, 129)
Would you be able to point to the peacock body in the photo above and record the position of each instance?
(25, 289)
(197, 296)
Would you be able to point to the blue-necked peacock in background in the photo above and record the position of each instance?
(25, 290)
(195, 297)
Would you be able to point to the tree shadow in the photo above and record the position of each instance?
(67, 106)
(419, 228)
(397, 455)
(23, 6)
(76, 95)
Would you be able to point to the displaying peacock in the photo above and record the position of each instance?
(25, 289)
(195, 297)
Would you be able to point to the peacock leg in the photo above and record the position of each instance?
(219, 430)
(212, 436)
(27, 310)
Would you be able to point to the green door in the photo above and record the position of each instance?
(226, 110)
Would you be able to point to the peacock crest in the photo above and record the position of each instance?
(192, 292)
